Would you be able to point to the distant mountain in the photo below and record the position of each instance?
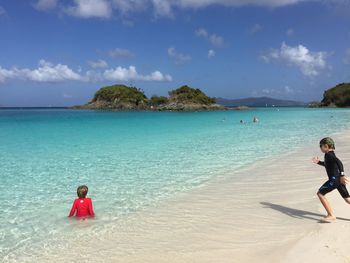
(259, 102)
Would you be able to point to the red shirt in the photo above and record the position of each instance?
(83, 206)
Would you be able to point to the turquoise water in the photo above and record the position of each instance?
(129, 160)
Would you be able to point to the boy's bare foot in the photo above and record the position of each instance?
(329, 218)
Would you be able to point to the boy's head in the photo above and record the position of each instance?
(327, 144)
(82, 191)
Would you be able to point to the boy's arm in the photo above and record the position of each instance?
(321, 163)
(72, 211)
(91, 210)
(340, 166)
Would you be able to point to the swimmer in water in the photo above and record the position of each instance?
(255, 119)
(82, 206)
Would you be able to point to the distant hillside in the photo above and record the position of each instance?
(338, 96)
(258, 102)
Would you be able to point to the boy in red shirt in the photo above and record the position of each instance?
(82, 205)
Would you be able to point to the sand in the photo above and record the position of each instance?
(268, 212)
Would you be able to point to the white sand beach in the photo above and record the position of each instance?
(273, 216)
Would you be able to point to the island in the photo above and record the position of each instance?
(338, 96)
(335, 97)
(121, 97)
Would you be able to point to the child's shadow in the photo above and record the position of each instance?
(297, 213)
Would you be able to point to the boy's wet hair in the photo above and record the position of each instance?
(82, 191)
(328, 141)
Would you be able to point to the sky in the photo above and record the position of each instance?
(60, 52)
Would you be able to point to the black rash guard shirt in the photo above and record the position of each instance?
(333, 165)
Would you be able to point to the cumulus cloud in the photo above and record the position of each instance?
(309, 63)
(177, 57)
(90, 8)
(44, 5)
(127, 74)
(120, 53)
(347, 56)
(98, 64)
(214, 39)
(6, 74)
(48, 72)
(211, 53)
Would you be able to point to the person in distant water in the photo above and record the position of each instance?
(241, 121)
(336, 176)
(255, 119)
(82, 206)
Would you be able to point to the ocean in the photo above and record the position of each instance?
(130, 161)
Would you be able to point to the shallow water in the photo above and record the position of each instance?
(129, 160)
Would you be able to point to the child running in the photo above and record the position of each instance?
(336, 176)
(82, 205)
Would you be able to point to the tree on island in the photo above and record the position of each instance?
(185, 94)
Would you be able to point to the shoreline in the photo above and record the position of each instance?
(274, 218)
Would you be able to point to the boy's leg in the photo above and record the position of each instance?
(344, 193)
(327, 187)
(327, 206)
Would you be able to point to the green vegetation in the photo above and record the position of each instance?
(120, 94)
(339, 96)
(185, 94)
(157, 101)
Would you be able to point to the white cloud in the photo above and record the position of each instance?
(309, 63)
(6, 74)
(201, 32)
(211, 53)
(105, 8)
(288, 90)
(48, 72)
(214, 39)
(266, 91)
(90, 8)
(256, 28)
(196, 4)
(290, 32)
(163, 8)
(125, 6)
(178, 58)
(127, 74)
(347, 56)
(98, 64)
(43, 5)
(120, 53)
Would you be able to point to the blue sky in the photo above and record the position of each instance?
(59, 52)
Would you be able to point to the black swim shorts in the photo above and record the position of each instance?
(334, 183)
